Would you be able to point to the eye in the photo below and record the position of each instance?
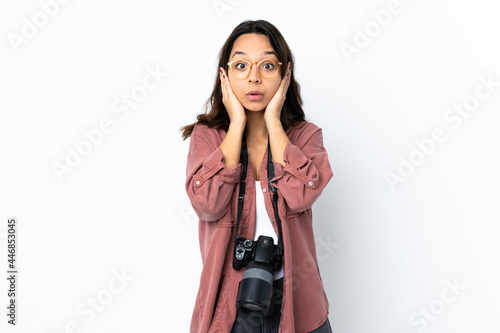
(240, 65)
(268, 65)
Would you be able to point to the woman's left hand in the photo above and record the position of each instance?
(273, 109)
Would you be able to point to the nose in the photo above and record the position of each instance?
(254, 75)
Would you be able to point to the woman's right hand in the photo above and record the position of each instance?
(233, 106)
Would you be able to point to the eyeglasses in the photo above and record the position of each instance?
(268, 68)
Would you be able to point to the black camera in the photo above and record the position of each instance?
(262, 259)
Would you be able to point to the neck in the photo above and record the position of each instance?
(256, 126)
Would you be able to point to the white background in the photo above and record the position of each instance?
(385, 255)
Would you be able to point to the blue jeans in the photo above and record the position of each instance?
(252, 322)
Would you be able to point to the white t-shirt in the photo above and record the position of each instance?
(263, 224)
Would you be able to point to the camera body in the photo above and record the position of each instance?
(262, 258)
(262, 250)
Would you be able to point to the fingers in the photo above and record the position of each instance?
(287, 75)
(222, 72)
(289, 72)
(286, 80)
(223, 79)
(223, 75)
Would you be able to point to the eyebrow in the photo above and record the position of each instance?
(264, 53)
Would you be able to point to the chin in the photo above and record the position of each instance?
(255, 107)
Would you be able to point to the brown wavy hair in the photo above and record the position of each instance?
(292, 114)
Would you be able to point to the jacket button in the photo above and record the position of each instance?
(310, 183)
(197, 182)
(264, 190)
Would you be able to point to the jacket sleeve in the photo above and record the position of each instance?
(209, 183)
(306, 172)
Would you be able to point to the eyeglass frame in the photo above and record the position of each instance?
(254, 63)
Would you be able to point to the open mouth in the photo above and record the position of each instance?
(254, 97)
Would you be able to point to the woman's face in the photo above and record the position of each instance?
(253, 47)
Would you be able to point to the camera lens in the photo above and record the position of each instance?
(256, 288)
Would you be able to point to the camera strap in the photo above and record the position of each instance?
(274, 190)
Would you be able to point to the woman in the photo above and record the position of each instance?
(257, 99)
